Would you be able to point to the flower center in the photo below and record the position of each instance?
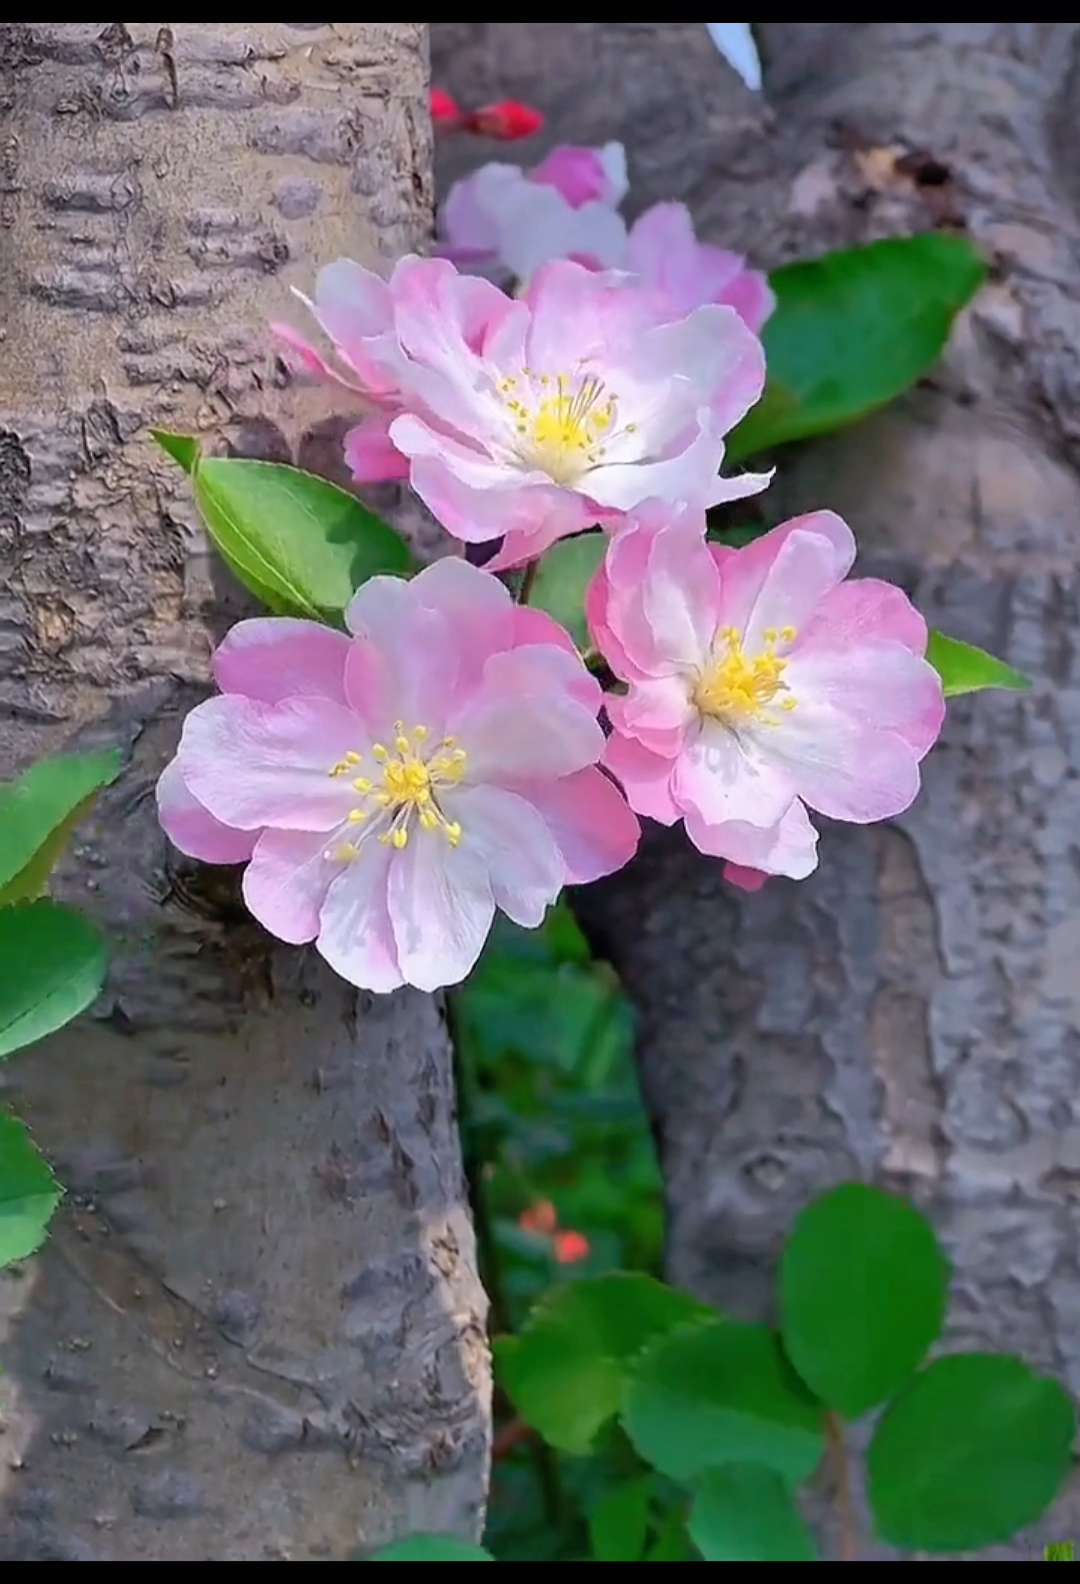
(739, 687)
(403, 788)
(561, 421)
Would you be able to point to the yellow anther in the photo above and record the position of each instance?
(362, 784)
(356, 815)
(352, 757)
(736, 687)
(379, 752)
(402, 744)
(399, 836)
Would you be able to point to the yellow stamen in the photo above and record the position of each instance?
(408, 785)
(561, 421)
(736, 687)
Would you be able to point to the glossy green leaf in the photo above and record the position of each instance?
(971, 1452)
(567, 1372)
(432, 1548)
(852, 330)
(52, 965)
(38, 806)
(863, 1288)
(722, 1392)
(965, 669)
(745, 1512)
(183, 448)
(299, 543)
(564, 574)
(29, 1193)
(619, 1524)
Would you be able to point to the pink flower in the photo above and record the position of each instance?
(497, 222)
(393, 787)
(585, 175)
(494, 222)
(663, 252)
(535, 418)
(760, 686)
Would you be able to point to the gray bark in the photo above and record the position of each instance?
(256, 1331)
(910, 1014)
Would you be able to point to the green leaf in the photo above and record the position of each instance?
(29, 1193)
(965, 669)
(852, 330)
(863, 1288)
(567, 1371)
(723, 1392)
(562, 577)
(181, 447)
(39, 805)
(973, 1450)
(53, 965)
(300, 544)
(744, 1512)
(619, 1523)
(432, 1548)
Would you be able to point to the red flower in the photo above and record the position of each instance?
(540, 1217)
(570, 1247)
(508, 120)
(444, 109)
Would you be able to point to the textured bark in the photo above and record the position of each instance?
(257, 1330)
(911, 1013)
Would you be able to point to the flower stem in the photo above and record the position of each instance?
(849, 1537)
(527, 582)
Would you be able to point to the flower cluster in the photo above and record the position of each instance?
(506, 222)
(391, 785)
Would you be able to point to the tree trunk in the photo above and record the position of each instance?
(911, 1013)
(256, 1331)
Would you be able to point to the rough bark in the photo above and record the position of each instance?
(256, 1331)
(911, 1013)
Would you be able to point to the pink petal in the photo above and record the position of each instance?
(406, 666)
(879, 686)
(286, 882)
(524, 866)
(746, 879)
(302, 352)
(478, 609)
(275, 657)
(721, 776)
(371, 455)
(657, 712)
(787, 848)
(441, 909)
(644, 776)
(355, 308)
(526, 720)
(192, 828)
(592, 824)
(865, 608)
(584, 175)
(842, 767)
(720, 364)
(780, 579)
(752, 298)
(255, 764)
(469, 219)
(529, 517)
(356, 935)
(537, 225)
